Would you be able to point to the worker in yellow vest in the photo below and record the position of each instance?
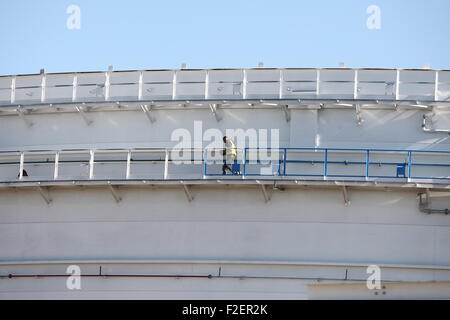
(230, 154)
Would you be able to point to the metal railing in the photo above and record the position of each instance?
(179, 164)
(226, 84)
(94, 164)
(338, 163)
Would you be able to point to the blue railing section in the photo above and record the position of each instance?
(358, 163)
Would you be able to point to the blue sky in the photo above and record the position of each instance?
(138, 34)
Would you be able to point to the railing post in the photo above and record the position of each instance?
(205, 160)
(166, 165)
(244, 85)
(244, 166)
(284, 161)
(436, 86)
(355, 88)
(43, 85)
(367, 162)
(280, 92)
(325, 163)
(409, 164)
(13, 89)
(128, 173)
(140, 84)
(318, 83)
(21, 165)
(91, 164)
(207, 85)
(107, 84)
(56, 171)
(397, 85)
(174, 85)
(74, 88)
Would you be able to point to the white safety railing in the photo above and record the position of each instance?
(100, 164)
(226, 84)
(180, 164)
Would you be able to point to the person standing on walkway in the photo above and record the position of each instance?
(229, 153)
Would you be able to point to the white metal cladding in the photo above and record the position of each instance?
(237, 84)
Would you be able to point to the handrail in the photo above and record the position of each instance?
(353, 162)
(404, 168)
(225, 84)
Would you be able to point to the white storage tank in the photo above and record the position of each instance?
(340, 176)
